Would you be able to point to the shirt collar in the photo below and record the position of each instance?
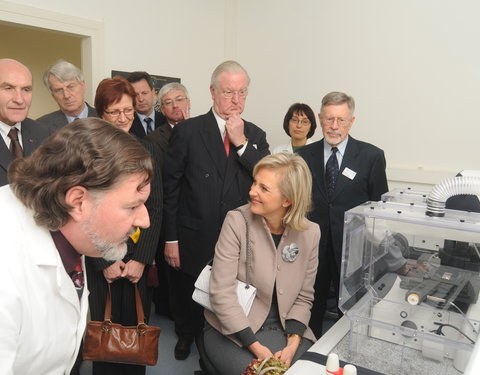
(142, 117)
(220, 122)
(341, 147)
(70, 257)
(83, 114)
(5, 129)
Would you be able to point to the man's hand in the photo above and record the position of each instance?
(114, 272)
(186, 113)
(133, 270)
(172, 255)
(235, 129)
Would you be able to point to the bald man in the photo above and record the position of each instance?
(20, 135)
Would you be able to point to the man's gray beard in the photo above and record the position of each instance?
(108, 250)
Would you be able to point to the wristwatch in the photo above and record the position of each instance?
(241, 145)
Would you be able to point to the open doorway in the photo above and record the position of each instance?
(39, 37)
(38, 48)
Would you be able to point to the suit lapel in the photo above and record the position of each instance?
(137, 127)
(29, 138)
(160, 119)
(318, 169)
(213, 143)
(348, 161)
(230, 172)
(5, 155)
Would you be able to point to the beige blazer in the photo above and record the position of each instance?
(294, 280)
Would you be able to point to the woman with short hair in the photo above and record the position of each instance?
(115, 102)
(299, 123)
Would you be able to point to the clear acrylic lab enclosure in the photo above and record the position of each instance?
(407, 196)
(409, 287)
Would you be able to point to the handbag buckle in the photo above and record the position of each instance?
(107, 326)
(142, 329)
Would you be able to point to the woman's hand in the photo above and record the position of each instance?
(260, 351)
(288, 352)
(114, 271)
(133, 270)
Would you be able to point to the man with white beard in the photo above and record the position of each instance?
(82, 192)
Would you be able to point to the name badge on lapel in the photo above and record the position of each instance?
(347, 172)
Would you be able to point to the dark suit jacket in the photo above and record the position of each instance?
(201, 185)
(137, 128)
(143, 251)
(160, 137)
(58, 119)
(369, 183)
(33, 134)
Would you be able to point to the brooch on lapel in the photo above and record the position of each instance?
(290, 252)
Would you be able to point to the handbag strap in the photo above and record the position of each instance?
(138, 303)
(249, 248)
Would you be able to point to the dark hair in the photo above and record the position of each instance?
(111, 90)
(300, 108)
(138, 76)
(88, 152)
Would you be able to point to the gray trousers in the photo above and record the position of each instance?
(231, 359)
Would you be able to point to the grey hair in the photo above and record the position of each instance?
(172, 86)
(64, 71)
(336, 98)
(227, 66)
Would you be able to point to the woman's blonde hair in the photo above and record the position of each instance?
(295, 185)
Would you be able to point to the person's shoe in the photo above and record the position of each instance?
(182, 349)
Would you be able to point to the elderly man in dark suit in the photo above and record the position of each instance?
(346, 172)
(175, 106)
(207, 172)
(146, 118)
(66, 84)
(20, 135)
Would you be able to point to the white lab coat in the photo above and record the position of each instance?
(41, 318)
(287, 147)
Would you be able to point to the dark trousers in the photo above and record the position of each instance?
(187, 314)
(161, 294)
(104, 368)
(327, 274)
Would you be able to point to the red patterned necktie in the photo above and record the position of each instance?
(78, 277)
(226, 143)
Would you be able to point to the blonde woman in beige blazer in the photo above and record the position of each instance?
(283, 267)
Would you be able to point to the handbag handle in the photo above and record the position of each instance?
(249, 249)
(138, 302)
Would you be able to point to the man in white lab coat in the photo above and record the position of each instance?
(81, 193)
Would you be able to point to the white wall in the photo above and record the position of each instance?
(412, 66)
(182, 38)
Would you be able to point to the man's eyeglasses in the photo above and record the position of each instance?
(128, 112)
(61, 90)
(296, 121)
(177, 100)
(340, 121)
(230, 94)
